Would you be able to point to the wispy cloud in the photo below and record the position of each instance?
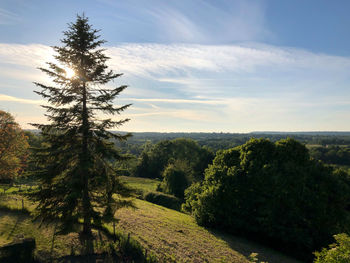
(196, 21)
(176, 26)
(177, 101)
(235, 87)
(157, 59)
(7, 17)
(32, 55)
(20, 100)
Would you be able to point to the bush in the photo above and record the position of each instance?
(165, 200)
(336, 253)
(274, 192)
(176, 178)
(191, 198)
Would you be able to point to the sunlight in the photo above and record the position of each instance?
(69, 73)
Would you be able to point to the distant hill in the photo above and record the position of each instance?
(328, 133)
(221, 140)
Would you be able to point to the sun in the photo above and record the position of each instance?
(69, 72)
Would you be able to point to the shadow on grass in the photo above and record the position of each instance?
(15, 210)
(246, 247)
(103, 247)
(18, 221)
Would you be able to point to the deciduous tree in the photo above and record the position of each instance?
(13, 148)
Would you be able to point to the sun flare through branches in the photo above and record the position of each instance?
(70, 73)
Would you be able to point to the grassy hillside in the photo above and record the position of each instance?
(172, 235)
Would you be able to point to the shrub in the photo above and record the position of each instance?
(336, 253)
(191, 197)
(165, 200)
(176, 178)
(274, 192)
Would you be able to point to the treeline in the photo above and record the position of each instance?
(218, 141)
(337, 155)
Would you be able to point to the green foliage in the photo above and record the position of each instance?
(153, 161)
(220, 141)
(338, 252)
(176, 178)
(34, 139)
(332, 154)
(126, 167)
(274, 192)
(191, 198)
(165, 200)
(77, 180)
(13, 148)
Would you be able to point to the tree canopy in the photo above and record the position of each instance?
(13, 148)
(273, 192)
(154, 161)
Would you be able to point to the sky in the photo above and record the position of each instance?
(194, 65)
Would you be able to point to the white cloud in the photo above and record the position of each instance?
(162, 60)
(20, 100)
(159, 60)
(176, 101)
(32, 55)
(196, 86)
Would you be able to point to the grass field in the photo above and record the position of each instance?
(172, 235)
(141, 184)
(168, 234)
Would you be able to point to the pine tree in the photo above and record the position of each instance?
(77, 181)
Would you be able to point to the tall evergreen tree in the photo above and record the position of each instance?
(77, 180)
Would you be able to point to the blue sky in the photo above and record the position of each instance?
(195, 65)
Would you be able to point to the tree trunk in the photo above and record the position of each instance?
(85, 162)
